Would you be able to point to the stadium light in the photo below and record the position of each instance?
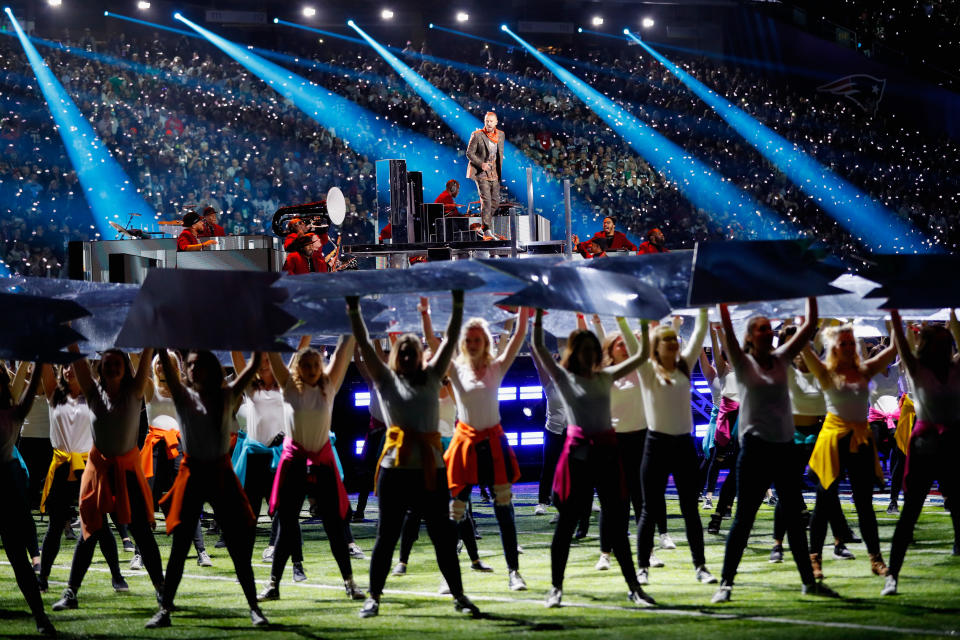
(503, 27)
(54, 3)
(596, 21)
(462, 16)
(309, 12)
(143, 5)
(646, 23)
(696, 181)
(386, 14)
(862, 216)
(368, 133)
(106, 188)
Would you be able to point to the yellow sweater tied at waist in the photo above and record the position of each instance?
(429, 445)
(77, 462)
(908, 416)
(825, 459)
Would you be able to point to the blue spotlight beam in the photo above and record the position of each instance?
(436, 27)
(864, 218)
(331, 34)
(369, 134)
(107, 189)
(695, 180)
(464, 124)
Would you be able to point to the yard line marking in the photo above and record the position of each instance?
(594, 606)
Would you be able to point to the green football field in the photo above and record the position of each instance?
(766, 598)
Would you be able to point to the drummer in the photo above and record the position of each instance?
(210, 227)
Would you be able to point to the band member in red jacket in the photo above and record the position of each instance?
(607, 240)
(188, 240)
(446, 197)
(300, 255)
(655, 243)
(210, 227)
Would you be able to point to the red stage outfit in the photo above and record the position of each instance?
(618, 242)
(649, 247)
(449, 206)
(211, 229)
(186, 239)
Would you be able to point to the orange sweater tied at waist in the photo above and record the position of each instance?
(171, 442)
(216, 479)
(461, 457)
(825, 459)
(103, 490)
(429, 445)
(908, 416)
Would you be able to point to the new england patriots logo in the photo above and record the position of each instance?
(864, 90)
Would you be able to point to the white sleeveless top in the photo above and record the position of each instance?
(162, 413)
(728, 386)
(267, 415)
(850, 401)
(312, 414)
(626, 404)
(71, 425)
(448, 416)
(478, 402)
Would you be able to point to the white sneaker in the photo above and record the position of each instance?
(666, 542)
(553, 598)
(707, 504)
(136, 562)
(540, 510)
(704, 576)
(516, 582)
(267, 553)
(655, 562)
(596, 507)
(603, 564)
(643, 576)
(444, 589)
(889, 586)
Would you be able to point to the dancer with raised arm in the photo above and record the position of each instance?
(766, 441)
(16, 508)
(845, 441)
(479, 452)
(411, 474)
(206, 406)
(113, 482)
(589, 459)
(71, 439)
(934, 371)
(670, 448)
(308, 463)
(629, 420)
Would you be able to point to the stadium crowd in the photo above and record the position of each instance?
(193, 128)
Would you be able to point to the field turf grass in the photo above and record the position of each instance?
(766, 599)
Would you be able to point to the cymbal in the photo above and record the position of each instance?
(133, 233)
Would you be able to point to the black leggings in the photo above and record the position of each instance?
(321, 483)
(630, 447)
(59, 508)
(372, 447)
(860, 470)
(552, 446)
(13, 534)
(760, 463)
(600, 469)
(835, 515)
(204, 487)
(164, 473)
(503, 512)
(717, 460)
(931, 458)
(402, 490)
(142, 534)
(665, 454)
(466, 531)
(258, 485)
